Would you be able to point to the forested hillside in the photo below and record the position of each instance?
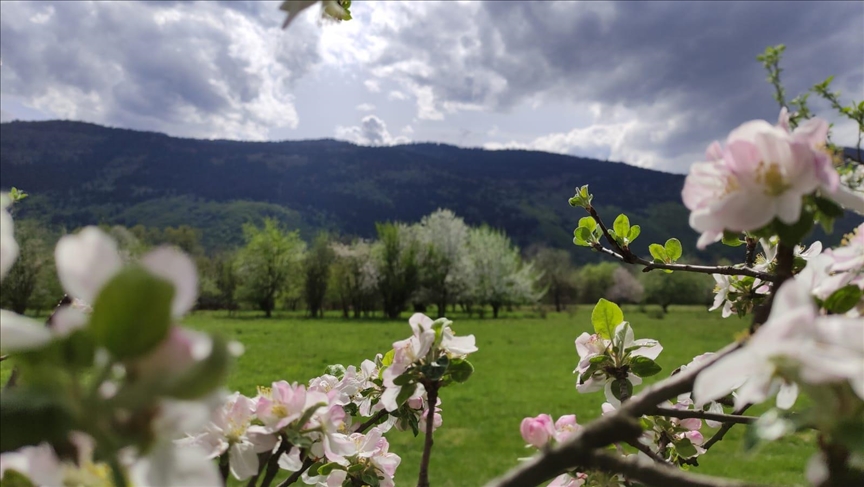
(80, 173)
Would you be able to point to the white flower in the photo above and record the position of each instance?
(794, 340)
(8, 246)
(231, 430)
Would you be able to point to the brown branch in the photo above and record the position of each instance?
(726, 270)
(371, 421)
(296, 475)
(699, 414)
(273, 462)
(724, 429)
(431, 401)
(648, 452)
(653, 475)
(626, 255)
(621, 426)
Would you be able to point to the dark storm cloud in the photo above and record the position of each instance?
(691, 60)
(191, 69)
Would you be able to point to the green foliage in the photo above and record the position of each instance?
(32, 281)
(269, 266)
(316, 266)
(31, 416)
(606, 317)
(843, 299)
(132, 313)
(677, 288)
(398, 271)
(556, 271)
(594, 280)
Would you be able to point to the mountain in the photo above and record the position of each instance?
(81, 173)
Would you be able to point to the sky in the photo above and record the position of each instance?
(645, 83)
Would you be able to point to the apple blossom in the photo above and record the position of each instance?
(762, 174)
(538, 431)
(281, 404)
(231, 430)
(8, 246)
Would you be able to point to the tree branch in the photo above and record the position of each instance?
(654, 475)
(690, 413)
(728, 270)
(371, 421)
(724, 429)
(296, 475)
(431, 401)
(620, 426)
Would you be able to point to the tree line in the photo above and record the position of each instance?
(437, 263)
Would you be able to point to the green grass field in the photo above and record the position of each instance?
(524, 367)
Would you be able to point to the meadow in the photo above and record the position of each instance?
(524, 368)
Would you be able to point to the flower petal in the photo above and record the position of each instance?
(21, 333)
(86, 261)
(177, 268)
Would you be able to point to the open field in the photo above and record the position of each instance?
(524, 367)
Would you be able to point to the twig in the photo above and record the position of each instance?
(653, 475)
(273, 463)
(750, 256)
(691, 413)
(724, 429)
(371, 421)
(648, 452)
(726, 270)
(431, 401)
(296, 475)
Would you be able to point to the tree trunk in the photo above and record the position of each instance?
(665, 308)
(495, 308)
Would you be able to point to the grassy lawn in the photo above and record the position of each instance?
(524, 367)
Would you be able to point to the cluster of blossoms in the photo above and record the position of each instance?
(113, 373)
(317, 430)
(148, 380)
(610, 359)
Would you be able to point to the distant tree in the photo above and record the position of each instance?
(316, 266)
(443, 257)
(397, 270)
(677, 288)
(594, 280)
(33, 266)
(557, 274)
(354, 277)
(268, 264)
(218, 282)
(498, 275)
(625, 287)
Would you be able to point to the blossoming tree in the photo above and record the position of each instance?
(114, 391)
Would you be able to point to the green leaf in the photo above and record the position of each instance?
(387, 360)
(732, 239)
(405, 393)
(621, 226)
(587, 222)
(404, 380)
(31, 416)
(460, 370)
(843, 299)
(599, 359)
(205, 376)
(850, 433)
(673, 249)
(635, 230)
(616, 388)
(132, 314)
(328, 467)
(14, 478)
(685, 448)
(644, 366)
(828, 207)
(605, 317)
(658, 252)
(583, 236)
(336, 370)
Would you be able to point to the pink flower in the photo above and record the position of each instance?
(761, 174)
(566, 427)
(537, 431)
(280, 405)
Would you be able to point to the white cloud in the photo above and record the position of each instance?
(397, 95)
(365, 107)
(407, 130)
(371, 131)
(372, 85)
